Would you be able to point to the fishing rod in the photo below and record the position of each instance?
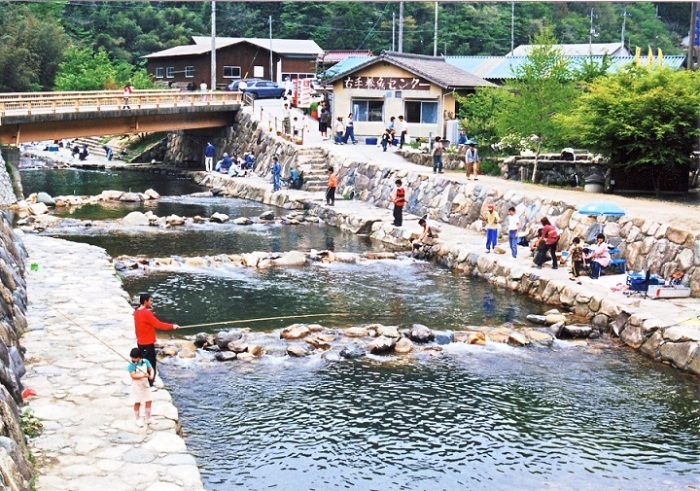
(259, 319)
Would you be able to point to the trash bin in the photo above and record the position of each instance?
(595, 183)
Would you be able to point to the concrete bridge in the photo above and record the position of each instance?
(36, 116)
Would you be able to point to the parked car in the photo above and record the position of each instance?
(261, 89)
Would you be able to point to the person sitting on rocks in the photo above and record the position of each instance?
(224, 164)
(425, 239)
(599, 257)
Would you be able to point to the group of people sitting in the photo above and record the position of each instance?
(234, 166)
(80, 152)
(584, 260)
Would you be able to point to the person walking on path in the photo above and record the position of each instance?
(350, 131)
(437, 155)
(126, 93)
(513, 225)
(323, 119)
(276, 174)
(492, 221)
(599, 258)
(398, 197)
(209, 153)
(551, 240)
(339, 129)
(287, 119)
(332, 185)
(146, 323)
(386, 138)
(141, 373)
(402, 129)
(471, 160)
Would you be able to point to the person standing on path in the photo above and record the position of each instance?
(386, 139)
(398, 197)
(332, 185)
(276, 174)
(471, 160)
(392, 130)
(324, 118)
(146, 323)
(402, 129)
(513, 223)
(350, 131)
(141, 373)
(286, 119)
(203, 89)
(492, 220)
(437, 155)
(126, 93)
(209, 153)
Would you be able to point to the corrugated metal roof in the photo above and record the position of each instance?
(202, 44)
(583, 49)
(336, 56)
(431, 68)
(347, 65)
(503, 67)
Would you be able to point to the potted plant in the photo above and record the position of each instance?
(313, 110)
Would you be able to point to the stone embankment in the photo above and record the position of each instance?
(90, 439)
(460, 206)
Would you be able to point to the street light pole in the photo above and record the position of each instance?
(213, 45)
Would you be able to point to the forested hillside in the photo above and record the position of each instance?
(37, 37)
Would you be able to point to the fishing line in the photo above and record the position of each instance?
(259, 319)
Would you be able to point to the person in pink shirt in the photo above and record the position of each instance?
(599, 258)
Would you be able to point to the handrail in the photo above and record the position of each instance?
(65, 102)
(51, 95)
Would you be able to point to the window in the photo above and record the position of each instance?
(170, 72)
(370, 111)
(423, 112)
(159, 72)
(189, 72)
(232, 72)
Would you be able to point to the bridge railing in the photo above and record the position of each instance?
(61, 102)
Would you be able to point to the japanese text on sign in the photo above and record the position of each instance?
(386, 83)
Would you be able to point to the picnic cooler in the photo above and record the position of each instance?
(663, 291)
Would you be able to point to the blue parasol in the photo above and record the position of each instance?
(601, 208)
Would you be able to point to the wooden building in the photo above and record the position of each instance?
(236, 58)
(421, 88)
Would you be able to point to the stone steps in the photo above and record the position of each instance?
(314, 163)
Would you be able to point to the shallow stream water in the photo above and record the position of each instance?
(470, 417)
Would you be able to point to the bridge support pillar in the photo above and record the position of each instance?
(185, 148)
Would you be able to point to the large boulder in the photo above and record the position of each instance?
(45, 198)
(151, 194)
(352, 352)
(38, 208)
(223, 338)
(420, 333)
(295, 331)
(219, 217)
(131, 197)
(292, 258)
(135, 219)
(382, 344)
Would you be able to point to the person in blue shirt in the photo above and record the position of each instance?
(276, 174)
(462, 140)
(225, 164)
(209, 153)
(140, 371)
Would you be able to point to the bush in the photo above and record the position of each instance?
(489, 168)
(30, 424)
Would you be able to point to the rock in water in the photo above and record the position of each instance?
(225, 356)
(268, 215)
(135, 219)
(420, 333)
(151, 194)
(297, 351)
(224, 337)
(352, 352)
(295, 331)
(219, 217)
(292, 258)
(537, 319)
(403, 345)
(131, 197)
(382, 344)
(45, 198)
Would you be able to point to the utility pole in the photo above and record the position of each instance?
(435, 36)
(591, 32)
(693, 35)
(512, 27)
(393, 31)
(213, 45)
(271, 77)
(400, 27)
(624, 24)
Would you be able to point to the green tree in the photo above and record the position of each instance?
(641, 118)
(543, 87)
(30, 49)
(479, 113)
(85, 69)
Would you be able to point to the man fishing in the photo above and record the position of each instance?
(146, 323)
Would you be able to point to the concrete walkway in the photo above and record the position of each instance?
(90, 440)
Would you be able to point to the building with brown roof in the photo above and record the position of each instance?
(421, 88)
(236, 58)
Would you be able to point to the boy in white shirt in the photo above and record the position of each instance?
(513, 225)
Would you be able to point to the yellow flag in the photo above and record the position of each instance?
(650, 58)
(660, 57)
(637, 55)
